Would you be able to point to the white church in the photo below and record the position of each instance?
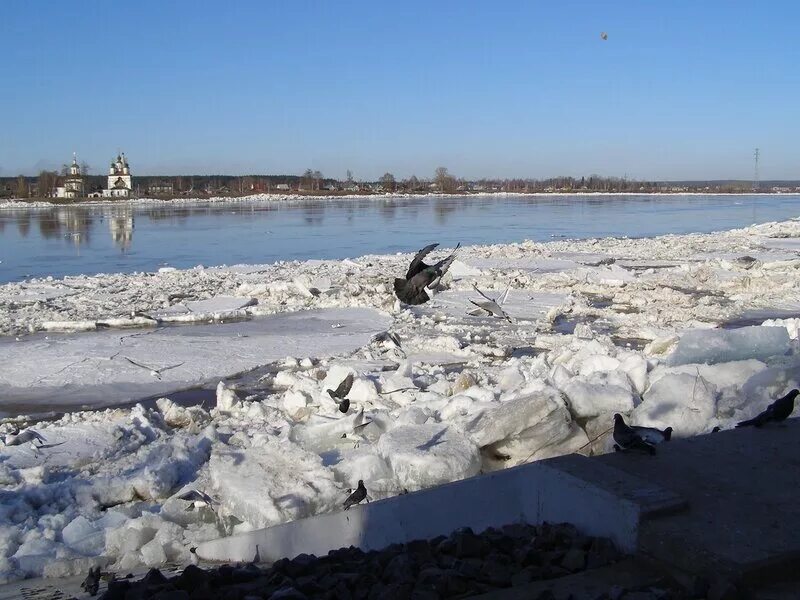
(73, 182)
(119, 179)
(120, 182)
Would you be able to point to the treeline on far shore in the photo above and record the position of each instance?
(311, 182)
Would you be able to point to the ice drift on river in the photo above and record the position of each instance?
(437, 395)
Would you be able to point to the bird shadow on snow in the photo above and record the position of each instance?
(664, 409)
(434, 441)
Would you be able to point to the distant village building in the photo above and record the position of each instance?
(73, 183)
(119, 179)
(282, 187)
(161, 188)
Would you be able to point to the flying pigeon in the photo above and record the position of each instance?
(339, 395)
(17, 438)
(627, 439)
(651, 435)
(91, 584)
(411, 290)
(357, 435)
(357, 496)
(490, 306)
(196, 499)
(153, 371)
(777, 411)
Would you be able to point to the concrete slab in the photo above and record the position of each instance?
(741, 486)
(597, 499)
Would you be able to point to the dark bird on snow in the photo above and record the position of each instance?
(339, 395)
(420, 275)
(651, 435)
(91, 584)
(357, 496)
(627, 439)
(777, 411)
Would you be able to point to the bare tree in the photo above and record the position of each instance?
(22, 187)
(444, 180)
(47, 182)
(307, 180)
(317, 179)
(349, 176)
(388, 182)
(85, 168)
(412, 183)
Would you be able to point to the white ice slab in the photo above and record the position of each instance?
(534, 263)
(712, 346)
(792, 244)
(92, 369)
(520, 304)
(32, 293)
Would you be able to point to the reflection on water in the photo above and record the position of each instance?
(92, 239)
(121, 227)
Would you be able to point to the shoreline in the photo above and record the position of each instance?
(13, 204)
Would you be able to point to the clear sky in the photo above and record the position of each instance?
(683, 89)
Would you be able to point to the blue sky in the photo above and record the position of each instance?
(680, 90)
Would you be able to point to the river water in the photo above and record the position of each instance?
(69, 240)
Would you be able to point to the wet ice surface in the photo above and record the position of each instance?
(620, 325)
(109, 367)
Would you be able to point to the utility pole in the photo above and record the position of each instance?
(756, 155)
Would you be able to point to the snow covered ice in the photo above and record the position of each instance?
(448, 395)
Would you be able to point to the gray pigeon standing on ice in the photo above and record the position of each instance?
(339, 395)
(357, 496)
(627, 439)
(91, 584)
(420, 275)
(777, 411)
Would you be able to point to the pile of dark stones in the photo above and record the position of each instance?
(458, 566)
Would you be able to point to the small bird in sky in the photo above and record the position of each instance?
(627, 439)
(603, 35)
(420, 275)
(777, 411)
(339, 395)
(357, 496)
